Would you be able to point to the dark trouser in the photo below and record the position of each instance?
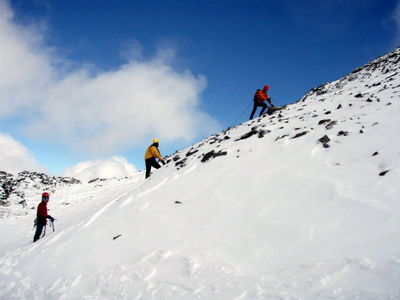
(151, 162)
(39, 228)
(258, 104)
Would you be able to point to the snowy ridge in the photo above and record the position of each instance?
(17, 192)
(299, 204)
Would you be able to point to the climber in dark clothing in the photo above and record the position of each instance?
(150, 156)
(259, 101)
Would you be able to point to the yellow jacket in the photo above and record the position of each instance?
(152, 151)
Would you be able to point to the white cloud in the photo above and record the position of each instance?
(14, 157)
(112, 167)
(102, 112)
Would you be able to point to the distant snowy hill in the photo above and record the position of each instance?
(299, 204)
(16, 192)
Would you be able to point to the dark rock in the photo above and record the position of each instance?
(248, 134)
(383, 173)
(359, 95)
(339, 106)
(181, 163)
(375, 153)
(212, 154)
(300, 134)
(191, 152)
(262, 133)
(341, 132)
(324, 140)
(331, 124)
(281, 137)
(324, 121)
(117, 236)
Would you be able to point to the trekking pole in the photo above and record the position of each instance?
(52, 225)
(44, 231)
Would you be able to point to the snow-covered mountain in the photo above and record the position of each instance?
(17, 192)
(299, 204)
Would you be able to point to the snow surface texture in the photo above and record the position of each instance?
(300, 204)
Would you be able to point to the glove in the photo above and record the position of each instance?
(51, 218)
(163, 162)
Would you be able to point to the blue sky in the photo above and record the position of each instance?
(221, 50)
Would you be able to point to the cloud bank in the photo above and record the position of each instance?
(106, 168)
(95, 111)
(14, 157)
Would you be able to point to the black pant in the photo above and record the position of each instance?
(258, 104)
(39, 228)
(151, 162)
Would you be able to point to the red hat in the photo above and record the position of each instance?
(266, 87)
(45, 194)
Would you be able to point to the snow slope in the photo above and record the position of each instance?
(299, 204)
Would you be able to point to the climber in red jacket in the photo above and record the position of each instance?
(42, 216)
(259, 100)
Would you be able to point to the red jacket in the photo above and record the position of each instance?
(42, 213)
(261, 95)
(42, 210)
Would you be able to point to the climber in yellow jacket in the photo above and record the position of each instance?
(150, 156)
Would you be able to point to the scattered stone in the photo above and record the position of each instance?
(339, 106)
(383, 173)
(375, 153)
(300, 134)
(117, 236)
(331, 124)
(344, 133)
(191, 152)
(281, 137)
(181, 163)
(212, 154)
(324, 140)
(178, 202)
(248, 134)
(328, 112)
(262, 133)
(359, 95)
(324, 121)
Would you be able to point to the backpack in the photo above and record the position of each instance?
(255, 98)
